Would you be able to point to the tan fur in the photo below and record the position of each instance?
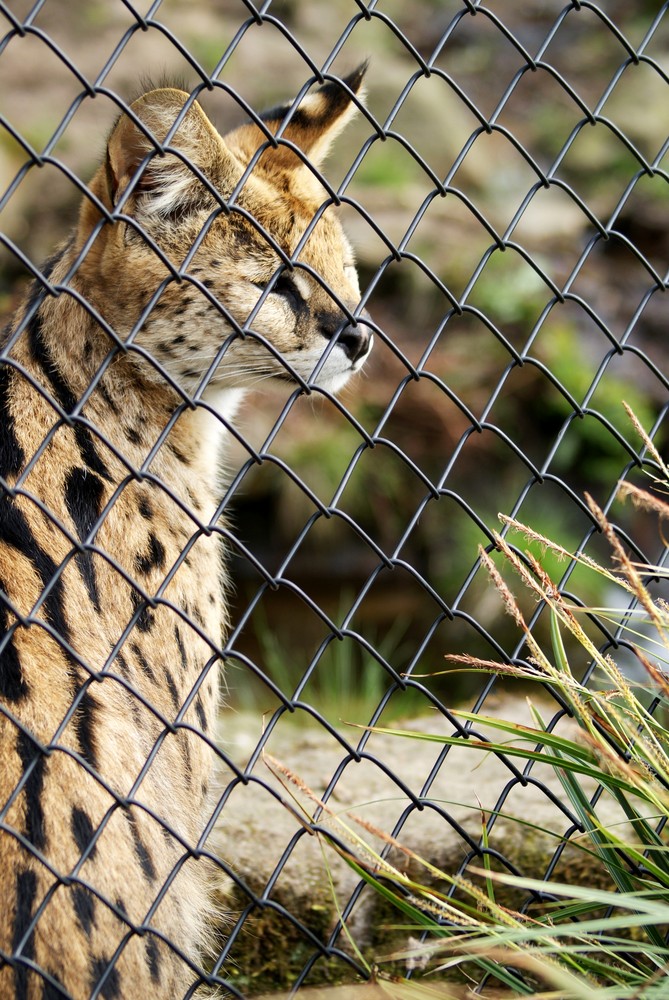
(111, 599)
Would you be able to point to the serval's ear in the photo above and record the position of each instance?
(313, 126)
(168, 184)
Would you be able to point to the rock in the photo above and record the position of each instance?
(264, 830)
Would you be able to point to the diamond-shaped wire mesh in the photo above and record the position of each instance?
(505, 189)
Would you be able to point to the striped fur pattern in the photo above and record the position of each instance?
(112, 606)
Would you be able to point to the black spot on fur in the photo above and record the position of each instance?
(84, 907)
(15, 532)
(51, 991)
(174, 694)
(143, 662)
(145, 509)
(153, 957)
(82, 831)
(182, 649)
(12, 457)
(155, 558)
(133, 435)
(33, 758)
(63, 394)
(106, 395)
(246, 238)
(143, 856)
(145, 619)
(13, 686)
(122, 664)
(111, 987)
(84, 724)
(26, 890)
(188, 766)
(184, 459)
(83, 497)
(201, 714)
(167, 837)
(136, 711)
(179, 339)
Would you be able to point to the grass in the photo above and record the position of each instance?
(348, 681)
(596, 941)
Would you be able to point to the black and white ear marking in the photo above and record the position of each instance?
(320, 116)
(312, 126)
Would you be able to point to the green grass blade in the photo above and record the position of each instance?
(511, 750)
(604, 845)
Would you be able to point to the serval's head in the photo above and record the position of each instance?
(224, 260)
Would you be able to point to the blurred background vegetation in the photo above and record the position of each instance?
(461, 250)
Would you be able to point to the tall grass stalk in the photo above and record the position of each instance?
(602, 941)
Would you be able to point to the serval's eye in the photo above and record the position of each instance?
(286, 288)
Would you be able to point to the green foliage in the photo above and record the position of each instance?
(590, 440)
(509, 291)
(397, 172)
(348, 682)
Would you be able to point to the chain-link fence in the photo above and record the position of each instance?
(505, 189)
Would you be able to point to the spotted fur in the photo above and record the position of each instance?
(187, 279)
